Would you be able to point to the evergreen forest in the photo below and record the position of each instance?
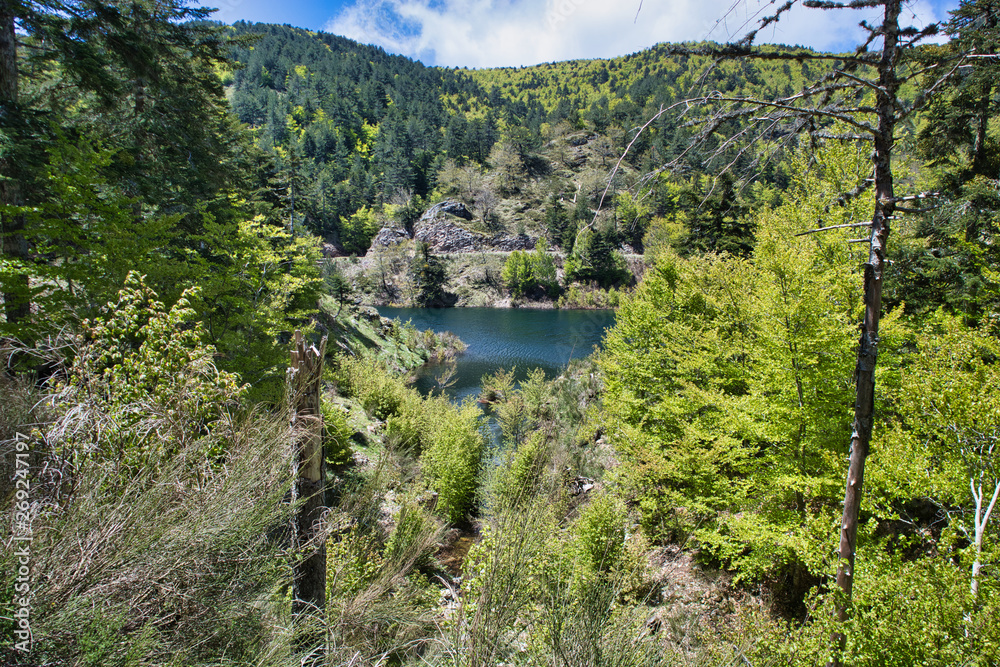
(212, 450)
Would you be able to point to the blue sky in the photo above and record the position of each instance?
(494, 33)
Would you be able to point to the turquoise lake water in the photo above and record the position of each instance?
(505, 338)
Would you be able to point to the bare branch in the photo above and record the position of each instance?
(922, 195)
(826, 229)
(841, 137)
(793, 111)
(857, 79)
(618, 164)
(733, 51)
(927, 93)
(906, 209)
(854, 4)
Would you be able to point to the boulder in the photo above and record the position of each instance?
(388, 236)
(450, 207)
(442, 235)
(511, 243)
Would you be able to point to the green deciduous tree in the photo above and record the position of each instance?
(357, 230)
(948, 418)
(728, 380)
(526, 274)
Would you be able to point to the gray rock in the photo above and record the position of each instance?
(437, 227)
(449, 206)
(511, 243)
(388, 236)
(445, 236)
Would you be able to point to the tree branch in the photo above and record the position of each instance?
(826, 229)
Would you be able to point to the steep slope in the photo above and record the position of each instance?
(362, 139)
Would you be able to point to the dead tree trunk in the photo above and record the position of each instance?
(309, 537)
(864, 405)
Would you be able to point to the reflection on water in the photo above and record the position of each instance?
(503, 338)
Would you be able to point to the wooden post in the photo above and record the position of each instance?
(305, 374)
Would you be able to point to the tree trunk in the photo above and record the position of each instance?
(864, 404)
(981, 518)
(17, 304)
(305, 374)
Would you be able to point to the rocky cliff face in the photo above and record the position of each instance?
(439, 227)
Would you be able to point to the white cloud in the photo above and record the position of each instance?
(493, 33)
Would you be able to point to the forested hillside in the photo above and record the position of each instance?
(182, 202)
(362, 139)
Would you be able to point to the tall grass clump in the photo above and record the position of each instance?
(381, 605)
(158, 507)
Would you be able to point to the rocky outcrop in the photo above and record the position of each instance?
(439, 229)
(388, 236)
(443, 235)
(508, 243)
(449, 207)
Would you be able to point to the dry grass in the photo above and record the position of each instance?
(177, 565)
(178, 560)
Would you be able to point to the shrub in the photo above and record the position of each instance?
(498, 584)
(379, 609)
(367, 380)
(337, 434)
(452, 453)
(600, 533)
(147, 379)
(528, 274)
(518, 476)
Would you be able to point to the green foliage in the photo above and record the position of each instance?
(940, 436)
(633, 212)
(905, 612)
(589, 296)
(531, 274)
(358, 230)
(261, 283)
(728, 387)
(517, 275)
(335, 284)
(151, 370)
(337, 434)
(409, 542)
(558, 224)
(600, 534)
(519, 472)
(497, 584)
(447, 437)
(367, 380)
(451, 459)
(428, 277)
(497, 387)
(595, 258)
(378, 603)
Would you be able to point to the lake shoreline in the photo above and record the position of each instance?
(505, 338)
